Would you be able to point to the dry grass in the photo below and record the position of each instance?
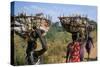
(56, 48)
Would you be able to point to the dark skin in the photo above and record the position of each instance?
(68, 52)
(67, 55)
(74, 38)
(35, 35)
(32, 45)
(91, 40)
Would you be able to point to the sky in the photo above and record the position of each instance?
(54, 10)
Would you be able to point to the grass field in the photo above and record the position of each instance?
(56, 48)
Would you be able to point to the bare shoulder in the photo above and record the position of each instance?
(69, 44)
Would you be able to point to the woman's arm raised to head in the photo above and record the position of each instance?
(43, 43)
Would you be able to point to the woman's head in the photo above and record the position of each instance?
(75, 36)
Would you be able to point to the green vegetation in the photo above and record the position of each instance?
(57, 40)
